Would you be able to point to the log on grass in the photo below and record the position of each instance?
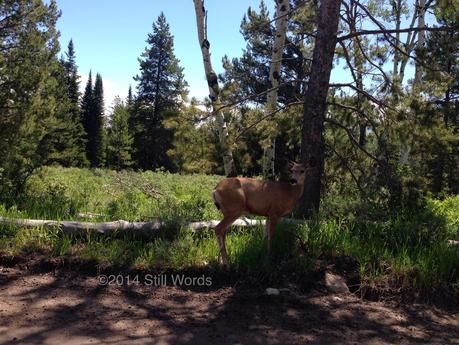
(147, 228)
(78, 227)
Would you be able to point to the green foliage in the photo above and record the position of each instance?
(33, 102)
(441, 84)
(119, 139)
(64, 143)
(194, 145)
(449, 210)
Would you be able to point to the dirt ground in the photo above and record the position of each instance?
(58, 307)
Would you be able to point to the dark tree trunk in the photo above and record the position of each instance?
(315, 106)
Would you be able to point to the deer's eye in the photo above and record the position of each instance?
(302, 171)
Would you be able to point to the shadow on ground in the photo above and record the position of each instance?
(60, 306)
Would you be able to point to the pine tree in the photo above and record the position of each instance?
(69, 136)
(98, 129)
(442, 52)
(29, 94)
(72, 76)
(93, 120)
(119, 140)
(86, 104)
(65, 143)
(161, 86)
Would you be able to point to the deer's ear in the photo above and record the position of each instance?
(286, 161)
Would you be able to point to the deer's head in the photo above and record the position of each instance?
(297, 172)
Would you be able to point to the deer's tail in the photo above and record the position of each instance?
(215, 196)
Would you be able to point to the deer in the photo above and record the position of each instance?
(236, 196)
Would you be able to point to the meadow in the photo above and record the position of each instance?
(408, 252)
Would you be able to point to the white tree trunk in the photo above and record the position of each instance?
(282, 11)
(406, 148)
(421, 42)
(214, 91)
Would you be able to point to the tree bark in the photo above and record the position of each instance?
(359, 67)
(214, 90)
(282, 10)
(315, 106)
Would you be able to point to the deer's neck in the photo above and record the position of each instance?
(298, 189)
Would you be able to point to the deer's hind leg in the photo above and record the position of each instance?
(220, 231)
(265, 233)
(270, 229)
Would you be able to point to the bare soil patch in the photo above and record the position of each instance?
(56, 306)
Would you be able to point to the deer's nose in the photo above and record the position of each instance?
(292, 181)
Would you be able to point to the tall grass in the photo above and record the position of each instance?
(410, 248)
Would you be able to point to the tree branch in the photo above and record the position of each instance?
(266, 116)
(392, 31)
(351, 137)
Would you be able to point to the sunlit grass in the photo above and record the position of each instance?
(411, 247)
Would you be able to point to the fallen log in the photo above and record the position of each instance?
(72, 227)
(77, 227)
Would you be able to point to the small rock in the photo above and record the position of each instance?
(272, 292)
(335, 283)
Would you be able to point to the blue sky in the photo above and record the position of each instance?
(109, 36)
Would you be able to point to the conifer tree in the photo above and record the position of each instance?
(119, 140)
(69, 139)
(65, 143)
(442, 159)
(93, 120)
(161, 86)
(29, 92)
(98, 127)
(86, 103)
(71, 71)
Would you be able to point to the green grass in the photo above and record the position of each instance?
(61, 193)
(410, 248)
